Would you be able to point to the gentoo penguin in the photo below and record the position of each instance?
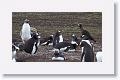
(46, 41)
(58, 56)
(86, 33)
(25, 32)
(31, 46)
(99, 56)
(74, 38)
(65, 46)
(87, 51)
(74, 43)
(14, 49)
(38, 35)
(57, 38)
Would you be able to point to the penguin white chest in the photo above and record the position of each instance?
(25, 32)
(34, 49)
(60, 38)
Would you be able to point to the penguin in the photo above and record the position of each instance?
(57, 38)
(65, 46)
(25, 31)
(31, 46)
(58, 56)
(39, 37)
(87, 52)
(86, 33)
(47, 41)
(74, 43)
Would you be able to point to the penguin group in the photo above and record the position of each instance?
(32, 40)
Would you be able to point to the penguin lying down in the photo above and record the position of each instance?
(58, 56)
(65, 46)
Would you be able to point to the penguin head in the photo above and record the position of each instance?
(59, 32)
(26, 21)
(80, 25)
(14, 48)
(35, 36)
(74, 38)
(51, 37)
(84, 37)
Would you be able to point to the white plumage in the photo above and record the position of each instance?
(99, 56)
(61, 38)
(25, 32)
(87, 41)
(34, 49)
(58, 59)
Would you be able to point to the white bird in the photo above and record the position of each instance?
(25, 32)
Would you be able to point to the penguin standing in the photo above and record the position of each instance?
(86, 33)
(87, 51)
(58, 38)
(31, 46)
(25, 32)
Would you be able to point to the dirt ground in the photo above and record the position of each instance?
(48, 23)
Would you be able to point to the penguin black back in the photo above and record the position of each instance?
(31, 45)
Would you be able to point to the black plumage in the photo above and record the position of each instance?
(65, 46)
(87, 52)
(47, 40)
(31, 44)
(56, 39)
(85, 33)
